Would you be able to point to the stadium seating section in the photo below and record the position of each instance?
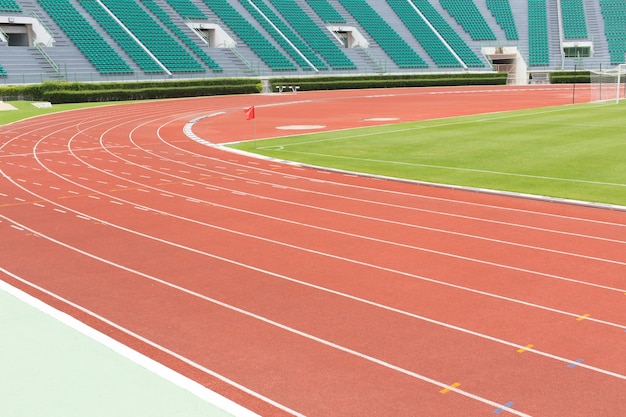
(614, 12)
(9, 6)
(251, 36)
(169, 38)
(467, 14)
(574, 21)
(501, 11)
(326, 11)
(85, 37)
(138, 54)
(168, 49)
(187, 9)
(539, 54)
(311, 32)
(394, 45)
(451, 37)
(282, 33)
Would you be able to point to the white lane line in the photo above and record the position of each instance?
(510, 267)
(430, 198)
(307, 284)
(254, 316)
(159, 369)
(423, 278)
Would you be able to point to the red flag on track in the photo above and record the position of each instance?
(249, 112)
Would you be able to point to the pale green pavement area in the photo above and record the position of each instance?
(49, 369)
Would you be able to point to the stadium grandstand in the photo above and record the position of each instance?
(100, 40)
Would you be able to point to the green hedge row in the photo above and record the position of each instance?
(570, 77)
(82, 96)
(388, 81)
(78, 86)
(74, 92)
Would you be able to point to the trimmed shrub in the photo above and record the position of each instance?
(73, 92)
(570, 77)
(390, 81)
(81, 96)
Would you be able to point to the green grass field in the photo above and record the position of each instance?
(572, 152)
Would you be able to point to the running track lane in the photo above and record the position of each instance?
(292, 290)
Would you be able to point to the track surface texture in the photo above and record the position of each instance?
(296, 291)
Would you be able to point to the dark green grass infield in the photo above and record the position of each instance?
(571, 152)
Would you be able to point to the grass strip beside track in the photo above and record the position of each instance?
(571, 152)
(26, 109)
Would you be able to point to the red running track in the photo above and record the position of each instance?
(295, 291)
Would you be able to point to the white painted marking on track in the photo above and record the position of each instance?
(162, 371)
(264, 320)
(349, 296)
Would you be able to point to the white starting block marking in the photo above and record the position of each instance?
(282, 88)
(6, 106)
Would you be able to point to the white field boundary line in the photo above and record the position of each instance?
(307, 284)
(301, 333)
(349, 214)
(353, 215)
(188, 130)
(381, 161)
(150, 364)
(281, 148)
(423, 125)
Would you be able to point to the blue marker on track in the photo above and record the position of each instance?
(573, 364)
(502, 409)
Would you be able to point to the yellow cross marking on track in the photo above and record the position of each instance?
(450, 388)
(525, 348)
(583, 317)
